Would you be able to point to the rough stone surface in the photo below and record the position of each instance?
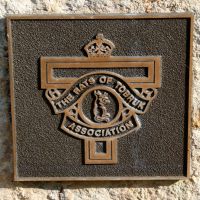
(132, 190)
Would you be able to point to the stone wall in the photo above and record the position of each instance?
(127, 190)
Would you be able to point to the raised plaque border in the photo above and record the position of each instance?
(186, 15)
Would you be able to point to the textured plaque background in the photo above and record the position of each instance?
(159, 148)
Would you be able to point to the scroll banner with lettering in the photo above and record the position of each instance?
(103, 87)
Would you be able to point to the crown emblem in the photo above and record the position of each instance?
(99, 47)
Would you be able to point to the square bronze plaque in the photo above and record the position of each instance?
(104, 97)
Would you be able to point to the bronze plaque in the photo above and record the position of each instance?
(100, 97)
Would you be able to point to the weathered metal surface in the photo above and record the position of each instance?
(142, 66)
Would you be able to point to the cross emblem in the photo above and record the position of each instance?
(101, 97)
